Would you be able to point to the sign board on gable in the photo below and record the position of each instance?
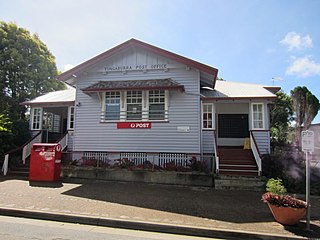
(307, 141)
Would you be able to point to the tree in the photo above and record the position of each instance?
(27, 70)
(280, 118)
(306, 107)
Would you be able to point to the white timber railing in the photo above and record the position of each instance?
(215, 149)
(26, 150)
(256, 152)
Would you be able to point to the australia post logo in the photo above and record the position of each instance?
(134, 125)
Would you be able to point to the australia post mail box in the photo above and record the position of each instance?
(45, 162)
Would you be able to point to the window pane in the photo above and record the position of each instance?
(157, 105)
(112, 106)
(207, 116)
(156, 112)
(134, 111)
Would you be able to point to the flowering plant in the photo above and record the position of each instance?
(283, 201)
(276, 195)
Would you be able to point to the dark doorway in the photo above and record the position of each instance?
(233, 126)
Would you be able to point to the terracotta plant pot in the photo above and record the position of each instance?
(287, 215)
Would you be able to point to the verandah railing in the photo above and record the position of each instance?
(138, 160)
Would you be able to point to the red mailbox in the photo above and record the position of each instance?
(45, 162)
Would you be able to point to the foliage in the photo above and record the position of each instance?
(275, 186)
(280, 117)
(276, 195)
(27, 70)
(306, 107)
(5, 134)
(196, 165)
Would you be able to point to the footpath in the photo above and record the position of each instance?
(195, 211)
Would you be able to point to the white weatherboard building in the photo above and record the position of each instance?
(145, 103)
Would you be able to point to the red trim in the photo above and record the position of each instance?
(181, 88)
(133, 42)
(237, 98)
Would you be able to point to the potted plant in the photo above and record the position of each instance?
(285, 209)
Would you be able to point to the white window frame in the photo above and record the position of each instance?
(213, 115)
(253, 119)
(70, 114)
(166, 95)
(123, 108)
(40, 118)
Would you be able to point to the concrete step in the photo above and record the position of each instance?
(229, 182)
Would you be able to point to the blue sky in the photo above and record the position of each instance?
(248, 40)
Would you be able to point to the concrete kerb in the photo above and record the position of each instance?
(144, 226)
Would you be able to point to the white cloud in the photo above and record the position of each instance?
(304, 67)
(67, 67)
(295, 41)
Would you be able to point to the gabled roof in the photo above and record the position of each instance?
(63, 97)
(133, 42)
(151, 84)
(234, 90)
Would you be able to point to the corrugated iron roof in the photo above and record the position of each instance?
(63, 96)
(157, 84)
(225, 89)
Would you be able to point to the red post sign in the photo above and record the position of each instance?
(134, 125)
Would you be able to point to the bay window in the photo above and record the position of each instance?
(135, 105)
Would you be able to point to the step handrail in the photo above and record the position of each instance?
(63, 141)
(256, 152)
(215, 149)
(26, 147)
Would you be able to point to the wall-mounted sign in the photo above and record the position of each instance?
(134, 125)
(183, 129)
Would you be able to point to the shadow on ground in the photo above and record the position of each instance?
(230, 206)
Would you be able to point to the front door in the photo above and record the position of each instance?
(232, 129)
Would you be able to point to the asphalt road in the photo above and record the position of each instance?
(13, 228)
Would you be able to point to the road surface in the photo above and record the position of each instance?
(12, 228)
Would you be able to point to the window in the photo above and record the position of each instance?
(112, 105)
(36, 118)
(71, 118)
(134, 105)
(257, 116)
(207, 116)
(157, 100)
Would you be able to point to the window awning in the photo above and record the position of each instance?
(151, 84)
